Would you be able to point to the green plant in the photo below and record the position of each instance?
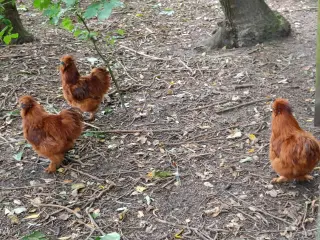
(6, 34)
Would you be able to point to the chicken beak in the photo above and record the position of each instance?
(62, 64)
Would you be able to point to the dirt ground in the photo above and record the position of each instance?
(189, 105)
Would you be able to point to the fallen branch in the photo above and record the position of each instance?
(243, 86)
(145, 55)
(86, 174)
(91, 200)
(136, 131)
(241, 105)
(206, 106)
(62, 207)
(90, 125)
(24, 187)
(94, 223)
(196, 230)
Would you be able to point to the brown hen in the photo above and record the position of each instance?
(50, 135)
(293, 152)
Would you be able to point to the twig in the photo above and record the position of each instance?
(206, 106)
(12, 141)
(14, 56)
(86, 174)
(24, 187)
(187, 227)
(186, 66)
(62, 207)
(145, 55)
(90, 125)
(7, 142)
(121, 172)
(241, 105)
(85, 224)
(136, 131)
(91, 200)
(90, 234)
(243, 86)
(93, 222)
(104, 60)
(269, 214)
(87, 157)
(125, 70)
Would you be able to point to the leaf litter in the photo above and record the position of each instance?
(175, 156)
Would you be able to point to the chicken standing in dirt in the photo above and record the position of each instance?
(50, 135)
(83, 92)
(293, 152)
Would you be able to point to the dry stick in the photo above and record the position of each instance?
(62, 207)
(25, 187)
(86, 174)
(91, 200)
(7, 141)
(269, 214)
(90, 125)
(145, 55)
(243, 86)
(94, 223)
(12, 141)
(206, 106)
(186, 66)
(136, 131)
(87, 157)
(104, 60)
(241, 105)
(191, 228)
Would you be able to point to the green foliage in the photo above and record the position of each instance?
(92, 10)
(110, 236)
(95, 134)
(67, 24)
(41, 4)
(6, 34)
(36, 235)
(66, 11)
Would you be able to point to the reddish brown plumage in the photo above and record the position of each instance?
(293, 152)
(50, 135)
(83, 92)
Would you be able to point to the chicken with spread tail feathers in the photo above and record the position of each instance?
(51, 135)
(83, 92)
(293, 152)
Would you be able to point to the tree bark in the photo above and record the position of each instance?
(247, 22)
(11, 13)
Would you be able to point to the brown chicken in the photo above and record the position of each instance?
(50, 135)
(293, 152)
(83, 92)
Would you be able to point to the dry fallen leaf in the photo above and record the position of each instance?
(214, 212)
(272, 193)
(140, 189)
(235, 133)
(32, 216)
(207, 184)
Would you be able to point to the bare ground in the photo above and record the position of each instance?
(169, 86)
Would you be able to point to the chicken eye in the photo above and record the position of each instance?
(62, 63)
(22, 105)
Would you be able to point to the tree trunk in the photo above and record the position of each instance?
(11, 13)
(317, 100)
(247, 22)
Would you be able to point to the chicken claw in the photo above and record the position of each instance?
(305, 178)
(51, 169)
(280, 179)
